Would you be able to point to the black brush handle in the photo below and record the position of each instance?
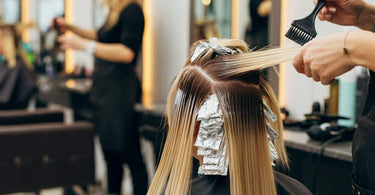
(317, 9)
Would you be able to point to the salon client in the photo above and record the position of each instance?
(115, 87)
(325, 58)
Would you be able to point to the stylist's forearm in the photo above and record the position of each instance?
(87, 34)
(114, 53)
(361, 46)
(367, 18)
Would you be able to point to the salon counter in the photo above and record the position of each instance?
(297, 140)
(68, 92)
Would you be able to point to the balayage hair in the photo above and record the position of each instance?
(240, 90)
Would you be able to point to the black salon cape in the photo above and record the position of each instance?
(220, 185)
(17, 84)
(363, 150)
(116, 87)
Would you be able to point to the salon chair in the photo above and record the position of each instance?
(39, 156)
(22, 117)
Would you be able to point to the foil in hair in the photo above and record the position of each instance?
(271, 132)
(178, 97)
(211, 141)
(203, 46)
(268, 112)
(272, 135)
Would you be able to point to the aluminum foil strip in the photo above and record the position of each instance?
(268, 112)
(210, 138)
(221, 50)
(272, 133)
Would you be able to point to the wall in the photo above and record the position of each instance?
(83, 13)
(166, 46)
(243, 17)
(166, 43)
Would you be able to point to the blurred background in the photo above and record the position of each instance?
(48, 98)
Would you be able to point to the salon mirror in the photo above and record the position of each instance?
(10, 11)
(47, 10)
(211, 19)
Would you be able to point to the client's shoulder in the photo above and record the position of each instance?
(289, 186)
(220, 185)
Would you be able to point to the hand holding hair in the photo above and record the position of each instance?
(71, 42)
(59, 24)
(327, 57)
(324, 58)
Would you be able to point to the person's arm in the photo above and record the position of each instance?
(367, 18)
(264, 8)
(324, 58)
(111, 52)
(87, 34)
(114, 52)
(361, 47)
(63, 26)
(349, 13)
(132, 23)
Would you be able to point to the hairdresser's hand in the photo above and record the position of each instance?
(323, 59)
(71, 42)
(59, 24)
(349, 13)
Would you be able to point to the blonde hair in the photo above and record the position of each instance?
(115, 7)
(11, 43)
(9, 47)
(236, 81)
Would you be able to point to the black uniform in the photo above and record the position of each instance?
(116, 89)
(258, 35)
(364, 146)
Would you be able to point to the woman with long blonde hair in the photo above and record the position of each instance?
(224, 114)
(116, 87)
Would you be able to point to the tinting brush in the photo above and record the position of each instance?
(303, 30)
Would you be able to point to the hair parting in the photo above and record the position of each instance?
(241, 92)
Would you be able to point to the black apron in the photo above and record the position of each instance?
(363, 175)
(115, 118)
(116, 88)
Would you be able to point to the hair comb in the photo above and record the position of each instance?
(303, 30)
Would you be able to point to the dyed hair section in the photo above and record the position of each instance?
(236, 81)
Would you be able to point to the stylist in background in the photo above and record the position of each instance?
(116, 87)
(325, 58)
(257, 33)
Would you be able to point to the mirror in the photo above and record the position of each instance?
(47, 10)
(10, 11)
(211, 19)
